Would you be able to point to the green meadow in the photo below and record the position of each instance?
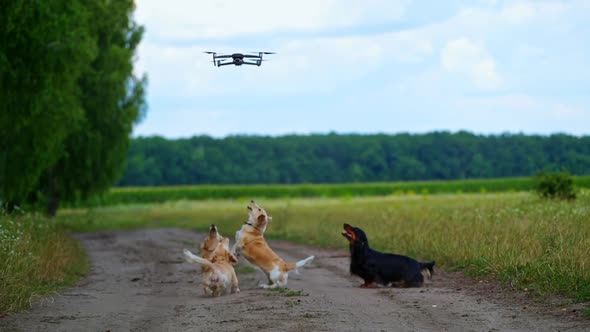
(132, 195)
(516, 237)
(496, 228)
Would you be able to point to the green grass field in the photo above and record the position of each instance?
(37, 256)
(518, 238)
(133, 195)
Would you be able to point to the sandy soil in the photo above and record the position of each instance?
(139, 282)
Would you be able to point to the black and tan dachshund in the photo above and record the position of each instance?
(381, 268)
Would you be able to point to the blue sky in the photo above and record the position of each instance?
(381, 66)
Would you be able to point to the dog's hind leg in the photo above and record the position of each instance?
(275, 278)
(269, 282)
(234, 283)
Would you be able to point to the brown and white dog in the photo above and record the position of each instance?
(222, 274)
(250, 243)
(210, 242)
(208, 247)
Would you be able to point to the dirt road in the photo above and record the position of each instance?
(139, 282)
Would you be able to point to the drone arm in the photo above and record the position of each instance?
(219, 64)
(257, 63)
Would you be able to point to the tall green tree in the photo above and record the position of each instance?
(44, 47)
(112, 99)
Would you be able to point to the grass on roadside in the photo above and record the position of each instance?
(527, 242)
(134, 195)
(37, 256)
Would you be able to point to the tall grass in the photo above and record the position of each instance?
(518, 238)
(36, 257)
(131, 195)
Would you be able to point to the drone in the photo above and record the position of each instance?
(238, 59)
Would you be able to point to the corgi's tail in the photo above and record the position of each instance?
(427, 270)
(194, 259)
(294, 266)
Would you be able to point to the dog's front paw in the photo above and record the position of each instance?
(235, 290)
(267, 286)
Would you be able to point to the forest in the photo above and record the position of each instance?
(345, 158)
(69, 98)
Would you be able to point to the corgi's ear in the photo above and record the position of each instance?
(261, 218)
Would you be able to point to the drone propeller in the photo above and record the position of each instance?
(264, 52)
(209, 52)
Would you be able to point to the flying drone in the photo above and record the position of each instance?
(238, 59)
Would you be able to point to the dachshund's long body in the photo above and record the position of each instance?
(375, 267)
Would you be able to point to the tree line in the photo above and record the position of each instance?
(333, 158)
(68, 98)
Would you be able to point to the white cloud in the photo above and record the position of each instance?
(360, 51)
(312, 63)
(466, 57)
(509, 48)
(489, 2)
(176, 71)
(300, 65)
(519, 12)
(485, 75)
(189, 19)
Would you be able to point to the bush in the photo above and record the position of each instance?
(558, 185)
